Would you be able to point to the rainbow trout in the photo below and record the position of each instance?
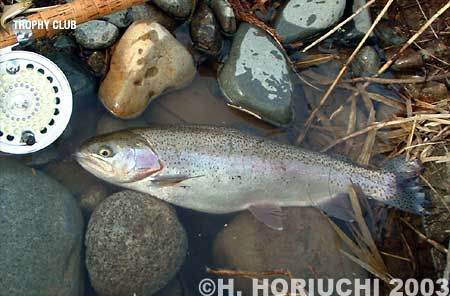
(221, 170)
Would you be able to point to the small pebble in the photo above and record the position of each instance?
(366, 63)
(121, 19)
(152, 13)
(97, 62)
(225, 15)
(205, 30)
(177, 8)
(96, 34)
(408, 60)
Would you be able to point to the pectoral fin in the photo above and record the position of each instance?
(170, 180)
(269, 214)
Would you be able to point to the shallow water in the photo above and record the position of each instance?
(202, 103)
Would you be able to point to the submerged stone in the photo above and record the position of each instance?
(120, 19)
(177, 8)
(388, 35)
(82, 83)
(205, 30)
(96, 34)
(308, 247)
(366, 63)
(225, 14)
(42, 231)
(300, 19)
(146, 62)
(134, 245)
(151, 13)
(256, 76)
(352, 32)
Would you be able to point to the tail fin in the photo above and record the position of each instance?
(410, 195)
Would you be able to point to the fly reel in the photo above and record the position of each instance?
(35, 102)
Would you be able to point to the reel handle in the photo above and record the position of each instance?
(79, 10)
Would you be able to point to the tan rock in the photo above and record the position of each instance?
(146, 62)
(308, 247)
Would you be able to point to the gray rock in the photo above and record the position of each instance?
(225, 15)
(152, 13)
(205, 30)
(177, 8)
(363, 20)
(300, 19)
(82, 83)
(388, 35)
(307, 241)
(91, 198)
(96, 34)
(256, 76)
(98, 63)
(41, 229)
(352, 33)
(65, 43)
(121, 19)
(408, 60)
(174, 288)
(134, 244)
(267, 16)
(67, 132)
(366, 63)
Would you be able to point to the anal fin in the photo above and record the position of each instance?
(269, 214)
(339, 207)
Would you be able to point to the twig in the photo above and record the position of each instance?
(410, 139)
(441, 198)
(410, 253)
(426, 18)
(383, 124)
(341, 73)
(395, 256)
(252, 274)
(435, 244)
(367, 83)
(340, 25)
(411, 40)
(399, 80)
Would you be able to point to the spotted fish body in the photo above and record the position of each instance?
(221, 170)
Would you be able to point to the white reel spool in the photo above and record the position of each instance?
(35, 102)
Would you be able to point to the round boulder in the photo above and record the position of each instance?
(41, 228)
(308, 247)
(134, 244)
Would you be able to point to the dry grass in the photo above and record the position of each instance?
(364, 250)
(421, 128)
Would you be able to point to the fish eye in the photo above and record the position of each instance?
(105, 152)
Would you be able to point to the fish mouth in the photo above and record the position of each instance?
(82, 157)
(91, 162)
